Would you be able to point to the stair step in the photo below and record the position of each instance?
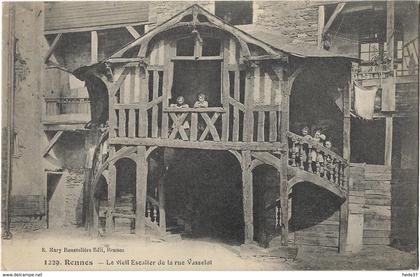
(172, 237)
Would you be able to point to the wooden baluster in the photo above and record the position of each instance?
(327, 173)
(321, 160)
(342, 174)
(317, 162)
(155, 214)
(310, 169)
(194, 126)
(147, 209)
(335, 171)
(293, 153)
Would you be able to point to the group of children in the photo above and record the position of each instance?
(318, 137)
(200, 103)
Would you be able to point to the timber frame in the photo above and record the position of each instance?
(251, 122)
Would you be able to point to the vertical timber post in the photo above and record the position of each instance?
(247, 199)
(141, 190)
(286, 86)
(161, 191)
(344, 209)
(112, 189)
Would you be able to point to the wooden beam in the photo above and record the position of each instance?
(247, 200)
(388, 140)
(112, 193)
(93, 47)
(331, 20)
(141, 190)
(52, 47)
(210, 145)
(133, 32)
(321, 24)
(52, 143)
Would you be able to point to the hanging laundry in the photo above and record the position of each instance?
(364, 101)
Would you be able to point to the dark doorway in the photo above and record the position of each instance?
(55, 212)
(204, 194)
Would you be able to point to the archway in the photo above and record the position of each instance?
(266, 192)
(125, 201)
(204, 194)
(315, 216)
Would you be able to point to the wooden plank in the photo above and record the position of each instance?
(131, 123)
(273, 126)
(247, 199)
(331, 20)
(144, 97)
(255, 146)
(388, 140)
(133, 32)
(141, 190)
(167, 84)
(225, 91)
(155, 108)
(52, 47)
(52, 142)
(121, 121)
(249, 116)
(112, 190)
(94, 47)
(321, 24)
(194, 126)
(260, 126)
(236, 106)
(210, 126)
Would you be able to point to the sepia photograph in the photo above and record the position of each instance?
(209, 135)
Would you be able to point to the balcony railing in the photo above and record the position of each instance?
(311, 156)
(67, 109)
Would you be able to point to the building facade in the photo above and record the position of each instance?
(54, 152)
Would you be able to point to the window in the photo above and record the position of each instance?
(235, 12)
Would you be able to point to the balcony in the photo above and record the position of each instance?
(73, 112)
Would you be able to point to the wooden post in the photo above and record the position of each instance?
(388, 140)
(93, 47)
(112, 189)
(10, 84)
(321, 24)
(286, 87)
(248, 133)
(247, 197)
(346, 155)
(390, 39)
(141, 190)
(161, 190)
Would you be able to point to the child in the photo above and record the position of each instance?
(201, 102)
(180, 103)
(305, 132)
(319, 137)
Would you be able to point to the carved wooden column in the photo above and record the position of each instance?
(141, 190)
(247, 197)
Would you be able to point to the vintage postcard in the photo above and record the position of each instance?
(210, 135)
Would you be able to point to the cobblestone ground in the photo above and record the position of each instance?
(75, 250)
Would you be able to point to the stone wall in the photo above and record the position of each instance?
(297, 20)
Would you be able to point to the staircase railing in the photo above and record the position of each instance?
(311, 156)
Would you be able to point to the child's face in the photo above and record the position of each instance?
(304, 131)
(317, 134)
(180, 100)
(328, 144)
(201, 98)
